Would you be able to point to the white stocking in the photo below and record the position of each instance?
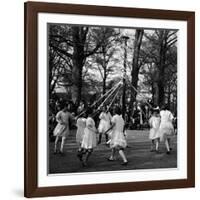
(62, 144)
(121, 153)
(56, 142)
(167, 145)
(157, 144)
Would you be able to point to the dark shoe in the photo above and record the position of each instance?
(61, 153)
(55, 152)
(79, 155)
(168, 152)
(84, 164)
(170, 148)
(109, 159)
(125, 163)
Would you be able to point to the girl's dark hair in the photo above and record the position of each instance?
(62, 106)
(165, 107)
(89, 111)
(155, 111)
(118, 110)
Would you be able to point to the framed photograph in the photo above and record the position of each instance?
(109, 99)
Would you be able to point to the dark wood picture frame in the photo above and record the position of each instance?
(32, 9)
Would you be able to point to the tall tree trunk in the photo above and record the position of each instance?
(104, 82)
(104, 70)
(135, 66)
(161, 76)
(160, 93)
(77, 80)
(51, 65)
(156, 93)
(169, 97)
(78, 58)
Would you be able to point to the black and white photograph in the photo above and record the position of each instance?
(112, 98)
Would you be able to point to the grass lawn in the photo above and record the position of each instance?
(138, 154)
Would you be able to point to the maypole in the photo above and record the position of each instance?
(124, 38)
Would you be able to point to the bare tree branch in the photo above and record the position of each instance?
(69, 42)
(61, 51)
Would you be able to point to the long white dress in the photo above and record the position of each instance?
(166, 127)
(104, 123)
(154, 122)
(81, 124)
(89, 138)
(118, 139)
(62, 128)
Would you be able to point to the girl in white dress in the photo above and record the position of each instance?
(62, 128)
(154, 123)
(118, 141)
(81, 124)
(104, 124)
(89, 139)
(166, 129)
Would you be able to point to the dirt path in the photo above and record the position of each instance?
(138, 154)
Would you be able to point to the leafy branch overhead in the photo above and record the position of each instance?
(88, 60)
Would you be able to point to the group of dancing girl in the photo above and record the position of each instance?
(88, 136)
(161, 128)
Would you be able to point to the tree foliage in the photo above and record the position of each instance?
(86, 61)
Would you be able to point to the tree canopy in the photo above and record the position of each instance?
(86, 61)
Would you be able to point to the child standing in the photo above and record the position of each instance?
(118, 141)
(104, 125)
(166, 129)
(81, 124)
(154, 123)
(61, 130)
(89, 139)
